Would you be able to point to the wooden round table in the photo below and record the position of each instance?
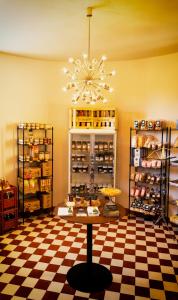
(88, 276)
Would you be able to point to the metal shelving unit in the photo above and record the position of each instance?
(35, 168)
(173, 176)
(148, 173)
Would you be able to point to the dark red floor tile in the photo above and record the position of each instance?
(42, 284)
(128, 280)
(50, 295)
(141, 273)
(156, 284)
(59, 278)
(67, 289)
(12, 270)
(18, 280)
(142, 292)
(23, 291)
(35, 273)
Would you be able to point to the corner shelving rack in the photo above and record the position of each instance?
(173, 175)
(148, 174)
(35, 168)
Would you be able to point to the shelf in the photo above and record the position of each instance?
(35, 167)
(147, 196)
(142, 211)
(99, 142)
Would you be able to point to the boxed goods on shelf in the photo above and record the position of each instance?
(29, 186)
(30, 172)
(45, 185)
(35, 166)
(46, 168)
(46, 200)
(31, 205)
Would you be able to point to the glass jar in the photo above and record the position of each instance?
(41, 155)
(46, 156)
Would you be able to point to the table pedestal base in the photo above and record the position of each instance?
(89, 277)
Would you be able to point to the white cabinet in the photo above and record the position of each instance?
(92, 160)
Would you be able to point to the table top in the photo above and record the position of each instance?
(91, 219)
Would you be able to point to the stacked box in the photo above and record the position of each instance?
(30, 186)
(45, 184)
(33, 172)
(46, 200)
(31, 205)
(46, 168)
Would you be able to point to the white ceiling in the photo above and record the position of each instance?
(58, 29)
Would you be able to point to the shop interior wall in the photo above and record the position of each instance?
(23, 97)
(31, 90)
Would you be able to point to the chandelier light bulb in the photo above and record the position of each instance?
(105, 100)
(104, 58)
(65, 70)
(85, 56)
(111, 90)
(113, 73)
(71, 60)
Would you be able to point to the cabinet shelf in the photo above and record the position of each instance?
(95, 178)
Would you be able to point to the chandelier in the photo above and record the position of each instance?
(88, 77)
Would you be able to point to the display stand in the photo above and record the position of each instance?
(92, 150)
(35, 168)
(148, 173)
(173, 175)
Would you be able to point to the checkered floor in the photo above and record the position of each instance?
(35, 258)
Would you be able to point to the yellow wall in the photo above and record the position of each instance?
(23, 96)
(31, 90)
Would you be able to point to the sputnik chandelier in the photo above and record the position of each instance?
(87, 79)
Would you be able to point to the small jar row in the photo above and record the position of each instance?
(79, 157)
(35, 141)
(41, 156)
(85, 188)
(104, 157)
(30, 125)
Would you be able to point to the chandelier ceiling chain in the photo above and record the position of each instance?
(87, 79)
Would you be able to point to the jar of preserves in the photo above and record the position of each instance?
(41, 155)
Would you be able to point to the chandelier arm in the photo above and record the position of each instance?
(82, 88)
(85, 67)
